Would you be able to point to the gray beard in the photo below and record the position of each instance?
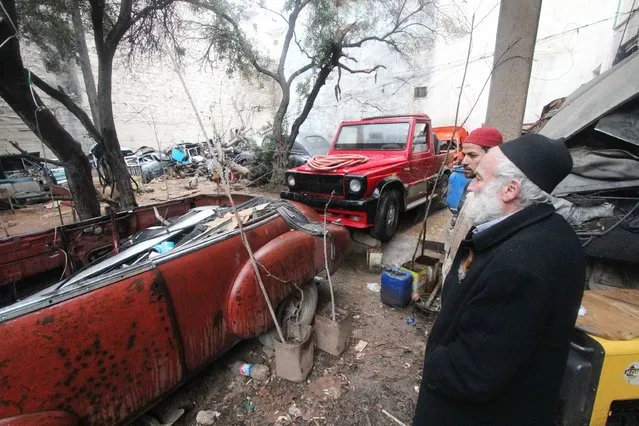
(483, 207)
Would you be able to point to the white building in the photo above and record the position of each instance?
(576, 41)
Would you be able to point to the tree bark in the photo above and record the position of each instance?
(281, 153)
(85, 63)
(111, 145)
(14, 89)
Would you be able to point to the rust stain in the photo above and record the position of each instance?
(47, 320)
(131, 342)
(137, 285)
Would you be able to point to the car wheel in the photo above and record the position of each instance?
(298, 308)
(387, 216)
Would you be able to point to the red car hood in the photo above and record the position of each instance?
(374, 163)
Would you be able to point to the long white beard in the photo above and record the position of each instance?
(483, 207)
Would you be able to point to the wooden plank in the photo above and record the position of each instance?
(612, 314)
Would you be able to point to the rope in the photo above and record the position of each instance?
(332, 162)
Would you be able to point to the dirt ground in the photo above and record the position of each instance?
(36, 217)
(350, 390)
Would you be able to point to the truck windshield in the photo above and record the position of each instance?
(379, 136)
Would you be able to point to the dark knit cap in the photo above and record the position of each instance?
(544, 161)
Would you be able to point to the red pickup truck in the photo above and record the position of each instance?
(389, 166)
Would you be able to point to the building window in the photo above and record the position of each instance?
(420, 92)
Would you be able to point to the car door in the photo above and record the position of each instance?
(101, 351)
(419, 161)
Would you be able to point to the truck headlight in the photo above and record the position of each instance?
(355, 185)
(290, 180)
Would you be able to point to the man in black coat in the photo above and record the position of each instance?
(497, 351)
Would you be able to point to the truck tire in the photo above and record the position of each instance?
(387, 216)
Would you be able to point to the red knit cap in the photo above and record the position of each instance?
(485, 136)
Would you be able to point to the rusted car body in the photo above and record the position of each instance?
(115, 337)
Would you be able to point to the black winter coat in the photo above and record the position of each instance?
(497, 351)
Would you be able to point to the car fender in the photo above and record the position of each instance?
(390, 182)
(45, 418)
(284, 262)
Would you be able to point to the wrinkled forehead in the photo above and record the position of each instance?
(488, 165)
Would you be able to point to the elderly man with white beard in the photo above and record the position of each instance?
(498, 348)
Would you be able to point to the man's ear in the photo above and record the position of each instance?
(510, 191)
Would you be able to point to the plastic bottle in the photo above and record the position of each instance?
(255, 371)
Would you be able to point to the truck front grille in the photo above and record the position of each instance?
(319, 184)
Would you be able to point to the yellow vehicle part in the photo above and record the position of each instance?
(619, 378)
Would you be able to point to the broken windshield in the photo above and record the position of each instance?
(378, 136)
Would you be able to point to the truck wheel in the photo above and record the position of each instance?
(387, 216)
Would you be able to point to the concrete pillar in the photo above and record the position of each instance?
(514, 49)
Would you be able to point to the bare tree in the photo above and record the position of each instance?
(332, 32)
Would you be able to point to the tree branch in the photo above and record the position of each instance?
(299, 46)
(240, 36)
(147, 10)
(383, 39)
(261, 6)
(299, 72)
(398, 27)
(292, 20)
(363, 71)
(33, 158)
(68, 103)
(121, 26)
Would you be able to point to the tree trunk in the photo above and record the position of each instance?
(112, 152)
(322, 75)
(14, 89)
(85, 63)
(67, 149)
(281, 153)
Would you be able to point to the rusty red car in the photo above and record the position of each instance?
(147, 298)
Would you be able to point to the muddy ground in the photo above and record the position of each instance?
(349, 390)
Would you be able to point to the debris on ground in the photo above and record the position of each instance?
(361, 345)
(374, 287)
(256, 371)
(327, 387)
(207, 417)
(295, 411)
(393, 418)
(193, 182)
(248, 404)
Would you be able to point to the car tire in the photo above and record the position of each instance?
(300, 306)
(387, 217)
